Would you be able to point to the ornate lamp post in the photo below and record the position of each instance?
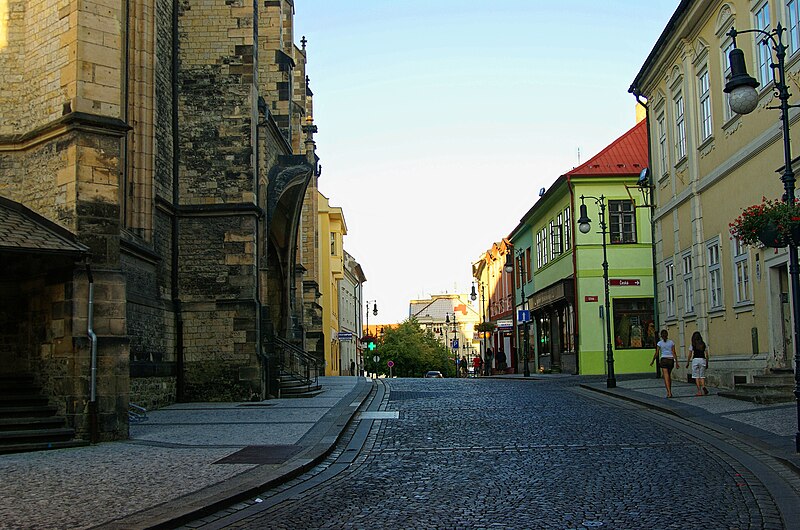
(744, 100)
(584, 225)
(374, 312)
(473, 295)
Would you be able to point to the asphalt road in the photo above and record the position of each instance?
(485, 453)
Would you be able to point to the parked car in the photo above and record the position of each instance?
(433, 374)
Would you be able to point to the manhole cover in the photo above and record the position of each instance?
(261, 454)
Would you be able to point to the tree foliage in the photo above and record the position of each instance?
(413, 350)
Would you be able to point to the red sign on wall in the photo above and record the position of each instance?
(625, 283)
(590, 298)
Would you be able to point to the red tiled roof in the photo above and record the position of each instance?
(627, 155)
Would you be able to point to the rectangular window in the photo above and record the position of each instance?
(726, 74)
(567, 230)
(680, 129)
(793, 12)
(555, 237)
(741, 268)
(662, 144)
(688, 284)
(704, 95)
(714, 276)
(669, 282)
(764, 53)
(333, 244)
(622, 222)
(528, 262)
(539, 263)
(634, 326)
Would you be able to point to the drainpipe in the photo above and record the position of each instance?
(93, 423)
(576, 319)
(652, 186)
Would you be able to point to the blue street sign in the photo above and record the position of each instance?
(345, 335)
(523, 315)
(455, 344)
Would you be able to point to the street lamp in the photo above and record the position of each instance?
(374, 312)
(744, 100)
(484, 311)
(584, 225)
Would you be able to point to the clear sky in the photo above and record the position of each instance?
(440, 120)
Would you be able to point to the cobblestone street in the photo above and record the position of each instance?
(480, 453)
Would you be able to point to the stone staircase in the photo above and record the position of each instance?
(27, 421)
(292, 386)
(777, 386)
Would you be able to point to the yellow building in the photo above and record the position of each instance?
(332, 230)
(707, 165)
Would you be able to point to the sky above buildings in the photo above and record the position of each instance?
(440, 120)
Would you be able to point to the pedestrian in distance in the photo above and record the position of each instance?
(698, 358)
(352, 367)
(501, 360)
(665, 353)
(477, 365)
(488, 363)
(464, 368)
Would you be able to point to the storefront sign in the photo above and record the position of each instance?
(590, 298)
(505, 324)
(625, 283)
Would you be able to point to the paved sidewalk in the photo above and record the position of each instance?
(185, 459)
(771, 428)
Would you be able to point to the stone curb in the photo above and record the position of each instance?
(320, 441)
(706, 419)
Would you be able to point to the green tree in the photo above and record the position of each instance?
(414, 352)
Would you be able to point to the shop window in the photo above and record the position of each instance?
(633, 323)
(543, 331)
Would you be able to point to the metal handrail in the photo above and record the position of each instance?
(295, 362)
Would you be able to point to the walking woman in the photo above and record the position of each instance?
(698, 357)
(665, 353)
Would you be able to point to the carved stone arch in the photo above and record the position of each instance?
(658, 99)
(726, 17)
(288, 181)
(675, 76)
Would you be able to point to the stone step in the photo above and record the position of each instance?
(763, 398)
(22, 411)
(305, 392)
(756, 388)
(31, 423)
(777, 379)
(39, 446)
(22, 398)
(61, 434)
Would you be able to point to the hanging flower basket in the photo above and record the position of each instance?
(772, 223)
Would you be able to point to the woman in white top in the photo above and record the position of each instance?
(665, 353)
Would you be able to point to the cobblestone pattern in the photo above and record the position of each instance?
(540, 456)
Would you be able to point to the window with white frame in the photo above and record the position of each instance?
(763, 51)
(567, 224)
(741, 271)
(622, 222)
(669, 283)
(714, 275)
(727, 47)
(688, 284)
(680, 128)
(704, 96)
(538, 250)
(792, 18)
(545, 257)
(661, 126)
(556, 245)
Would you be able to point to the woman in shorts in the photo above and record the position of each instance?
(665, 353)
(698, 358)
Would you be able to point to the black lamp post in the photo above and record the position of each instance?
(744, 100)
(522, 275)
(584, 225)
(374, 312)
(473, 296)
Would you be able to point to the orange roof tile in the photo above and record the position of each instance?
(627, 155)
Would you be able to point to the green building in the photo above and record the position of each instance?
(559, 270)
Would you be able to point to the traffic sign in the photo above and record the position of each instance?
(345, 335)
(454, 344)
(377, 358)
(523, 315)
(390, 363)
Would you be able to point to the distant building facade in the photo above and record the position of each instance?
(350, 315)
(496, 292)
(452, 319)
